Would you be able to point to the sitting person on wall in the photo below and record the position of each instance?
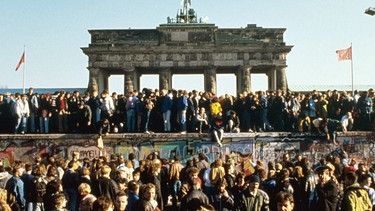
(347, 122)
(118, 122)
(103, 127)
(233, 123)
(202, 120)
(304, 123)
(218, 129)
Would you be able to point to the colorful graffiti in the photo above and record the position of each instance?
(267, 149)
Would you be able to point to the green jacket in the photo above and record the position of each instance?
(356, 199)
(248, 202)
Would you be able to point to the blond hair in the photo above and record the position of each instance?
(84, 188)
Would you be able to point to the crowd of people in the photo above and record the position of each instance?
(181, 111)
(155, 184)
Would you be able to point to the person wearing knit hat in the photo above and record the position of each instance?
(254, 178)
(253, 198)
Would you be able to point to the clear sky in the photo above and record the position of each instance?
(53, 32)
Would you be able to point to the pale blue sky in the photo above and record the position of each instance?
(53, 32)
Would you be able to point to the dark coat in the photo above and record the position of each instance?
(324, 197)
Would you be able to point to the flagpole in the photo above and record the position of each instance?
(24, 70)
(351, 47)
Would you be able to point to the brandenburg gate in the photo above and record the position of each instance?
(186, 45)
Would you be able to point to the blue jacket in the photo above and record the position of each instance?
(167, 104)
(182, 103)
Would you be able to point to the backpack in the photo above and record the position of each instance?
(37, 189)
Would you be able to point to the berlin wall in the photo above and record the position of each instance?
(268, 147)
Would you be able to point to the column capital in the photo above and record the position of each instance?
(94, 70)
(128, 70)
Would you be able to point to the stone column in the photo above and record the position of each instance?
(243, 79)
(96, 80)
(272, 79)
(129, 80)
(281, 79)
(106, 76)
(210, 80)
(165, 79)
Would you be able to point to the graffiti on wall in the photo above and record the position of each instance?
(267, 149)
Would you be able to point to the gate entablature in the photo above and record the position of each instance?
(185, 49)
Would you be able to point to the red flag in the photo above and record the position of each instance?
(345, 54)
(22, 60)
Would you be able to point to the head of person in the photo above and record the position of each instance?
(286, 157)
(121, 183)
(136, 175)
(59, 200)
(194, 184)
(350, 178)
(193, 172)
(106, 170)
(365, 180)
(323, 173)
(121, 201)
(254, 182)
(221, 185)
(133, 187)
(149, 191)
(285, 201)
(84, 189)
(103, 203)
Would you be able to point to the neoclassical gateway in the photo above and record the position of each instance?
(186, 45)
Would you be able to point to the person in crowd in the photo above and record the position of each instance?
(26, 177)
(37, 188)
(222, 199)
(182, 106)
(103, 203)
(107, 106)
(174, 177)
(104, 185)
(59, 202)
(70, 185)
(155, 179)
(252, 197)
(133, 194)
(284, 202)
(83, 118)
(233, 122)
(52, 188)
(33, 102)
(202, 120)
(195, 198)
(103, 127)
(365, 180)
(73, 106)
(94, 103)
(45, 113)
(324, 196)
(329, 126)
(87, 199)
(4, 200)
(147, 200)
(347, 122)
(15, 186)
(22, 111)
(121, 203)
(263, 105)
(166, 109)
(217, 129)
(355, 197)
